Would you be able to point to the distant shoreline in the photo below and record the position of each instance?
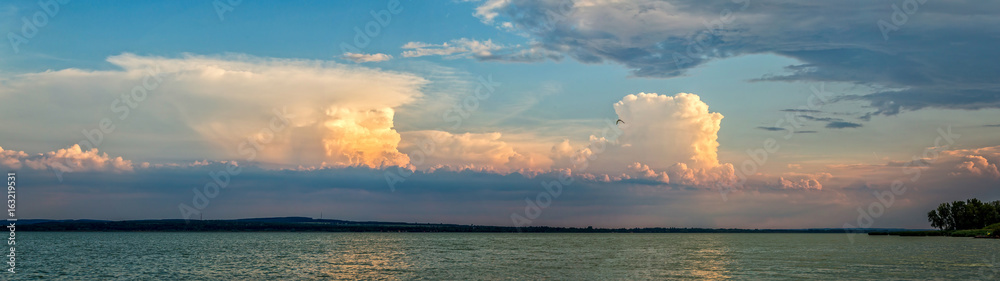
(302, 224)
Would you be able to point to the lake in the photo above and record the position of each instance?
(463, 256)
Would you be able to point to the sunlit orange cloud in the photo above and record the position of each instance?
(944, 169)
(362, 138)
(470, 151)
(273, 111)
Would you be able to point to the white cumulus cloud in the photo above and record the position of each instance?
(71, 159)
(362, 58)
(669, 139)
(480, 50)
(665, 130)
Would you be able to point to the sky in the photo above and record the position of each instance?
(605, 113)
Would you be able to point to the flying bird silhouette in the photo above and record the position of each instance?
(619, 120)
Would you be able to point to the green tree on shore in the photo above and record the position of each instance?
(968, 214)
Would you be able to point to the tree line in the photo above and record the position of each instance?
(968, 214)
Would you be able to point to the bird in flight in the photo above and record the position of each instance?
(619, 120)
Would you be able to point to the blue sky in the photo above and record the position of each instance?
(559, 69)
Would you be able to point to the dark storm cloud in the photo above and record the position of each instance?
(801, 110)
(771, 128)
(824, 119)
(926, 54)
(841, 125)
(832, 123)
(775, 129)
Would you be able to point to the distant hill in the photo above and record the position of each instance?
(34, 221)
(304, 224)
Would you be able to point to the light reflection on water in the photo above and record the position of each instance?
(366, 257)
(711, 261)
(403, 256)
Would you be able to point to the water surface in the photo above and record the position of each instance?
(464, 256)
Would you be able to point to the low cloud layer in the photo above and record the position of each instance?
(821, 199)
(72, 159)
(790, 200)
(432, 150)
(980, 162)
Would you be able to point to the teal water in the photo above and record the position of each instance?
(476, 256)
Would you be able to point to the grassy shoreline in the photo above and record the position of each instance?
(992, 231)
